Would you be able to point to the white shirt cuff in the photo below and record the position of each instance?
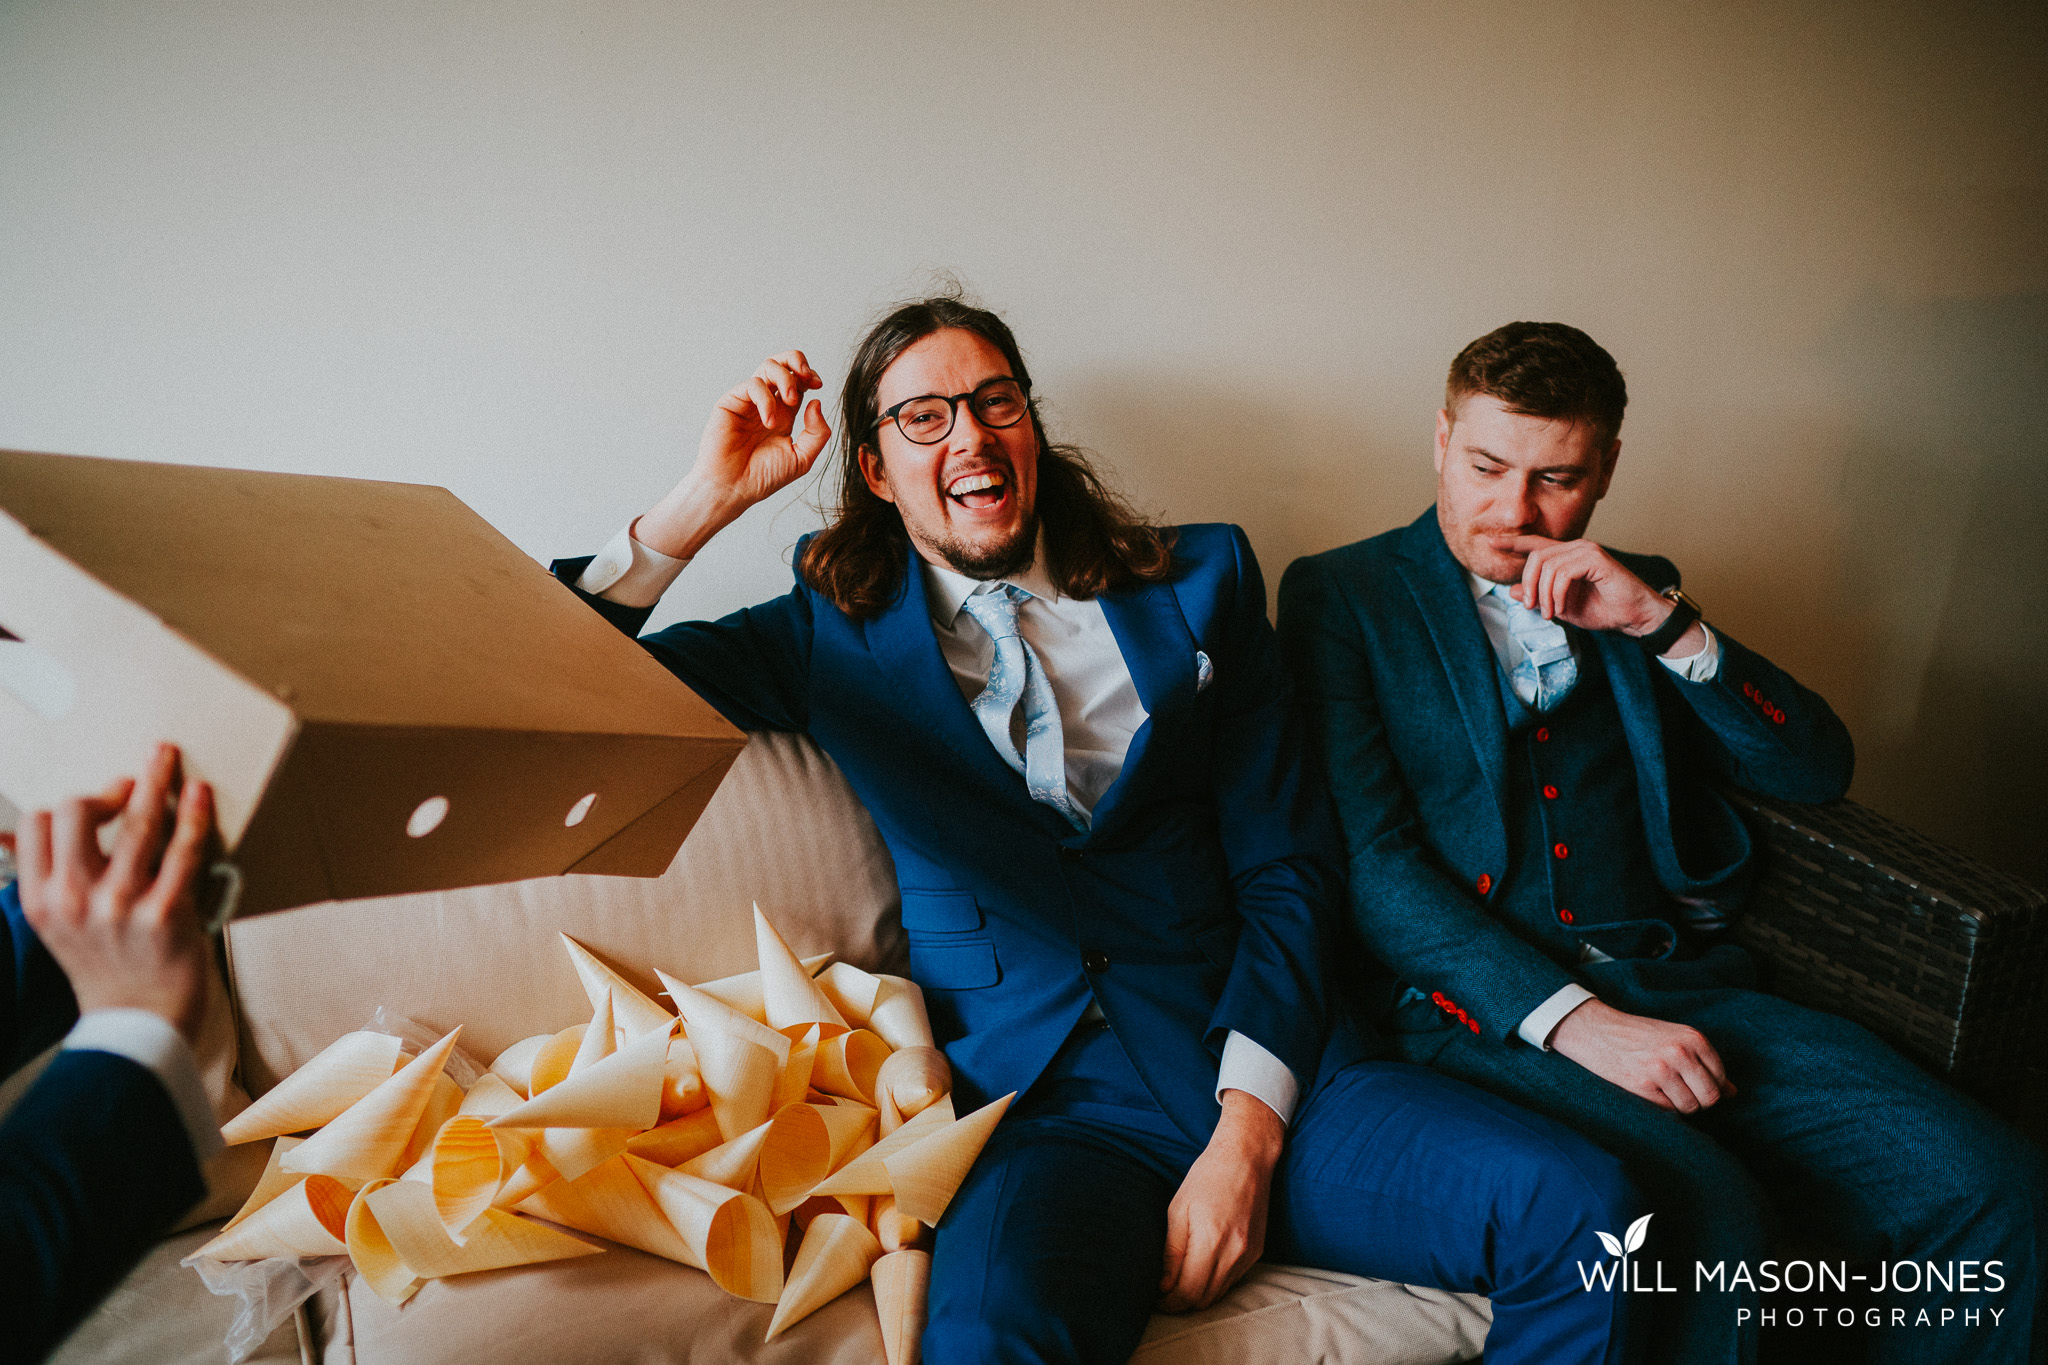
(1700, 667)
(1542, 1021)
(149, 1041)
(627, 572)
(1249, 1067)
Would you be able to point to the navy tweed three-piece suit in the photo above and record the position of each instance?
(1489, 846)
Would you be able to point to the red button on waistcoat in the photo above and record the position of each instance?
(1485, 883)
(1560, 850)
(1543, 734)
(1565, 916)
(1550, 793)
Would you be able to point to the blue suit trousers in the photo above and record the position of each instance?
(1053, 1248)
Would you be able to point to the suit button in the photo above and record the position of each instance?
(1069, 855)
(1565, 917)
(1543, 734)
(1485, 883)
(1549, 793)
(1096, 962)
(1560, 850)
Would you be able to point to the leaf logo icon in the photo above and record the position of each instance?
(1634, 1237)
(1607, 1240)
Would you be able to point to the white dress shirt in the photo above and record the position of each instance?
(1099, 710)
(1540, 1023)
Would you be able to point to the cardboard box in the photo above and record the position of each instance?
(386, 694)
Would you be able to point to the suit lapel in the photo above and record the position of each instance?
(1159, 649)
(1444, 596)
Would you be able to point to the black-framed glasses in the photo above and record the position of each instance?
(928, 418)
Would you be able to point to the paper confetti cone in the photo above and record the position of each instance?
(600, 1037)
(514, 1065)
(375, 1259)
(926, 1174)
(847, 1065)
(610, 1201)
(536, 1174)
(735, 1164)
(860, 1206)
(908, 1083)
(792, 1000)
(442, 1106)
(557, 1056)
(866, 1173)
(574, 1151)
(619, 1090)
(274, 1181)
(732, 1235)
(490, 1097)
(678, 1140)
(366, 1141)
(899, 1017)
(463, 1169)
(739, 1074)
(309, 1219)
(405, 1212)
(793, 1082)
(336, 1077)
(903, 1284)
(893, 1228)
(805, 1143)
(852, 992)
(836, 1255)
(702, 1013)
(632, 1008)
(743, 992)
(682, 1085)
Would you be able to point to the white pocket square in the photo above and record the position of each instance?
(1205, 672)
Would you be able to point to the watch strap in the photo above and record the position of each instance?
(1684, 611)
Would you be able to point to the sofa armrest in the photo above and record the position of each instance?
(1943, 957)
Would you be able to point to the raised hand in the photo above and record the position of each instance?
(751, 449)
(1579, 583)
(1670, 1065)
(124, 926)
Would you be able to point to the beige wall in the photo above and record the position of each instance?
(517, 249)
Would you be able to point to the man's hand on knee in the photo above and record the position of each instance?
(124, 926)
(1670, 1065)
(1216, 1225)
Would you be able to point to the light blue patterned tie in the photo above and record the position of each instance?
(1016, 675)
(1547, 672)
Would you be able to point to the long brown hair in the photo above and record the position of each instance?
(1094, 540)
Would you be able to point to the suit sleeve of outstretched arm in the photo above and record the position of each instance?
(95, 1167)
(1764, 731)
(752, 666)
(1278, 841)
(1427, 925)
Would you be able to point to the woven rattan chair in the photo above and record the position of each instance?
(1941, 956)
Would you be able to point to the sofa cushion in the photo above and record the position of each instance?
(1291, 1315)
(784, 830)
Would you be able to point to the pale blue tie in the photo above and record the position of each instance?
(1017, 675)
(1547, 671)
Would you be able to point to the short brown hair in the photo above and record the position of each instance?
(1542, 369)
(1094, 540)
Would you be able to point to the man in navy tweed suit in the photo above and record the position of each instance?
(1524, 733)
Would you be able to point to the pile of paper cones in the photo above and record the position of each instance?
(798, 1110)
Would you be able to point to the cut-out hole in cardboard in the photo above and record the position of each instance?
(579, 810)
(35, 679)
(427, 817)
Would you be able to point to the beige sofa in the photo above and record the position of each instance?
(785, 831)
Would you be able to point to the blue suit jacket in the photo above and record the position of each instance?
(95, 1165)
(1401, 689)
(1206, 882)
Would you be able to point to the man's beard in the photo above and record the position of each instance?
(1003, 560)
